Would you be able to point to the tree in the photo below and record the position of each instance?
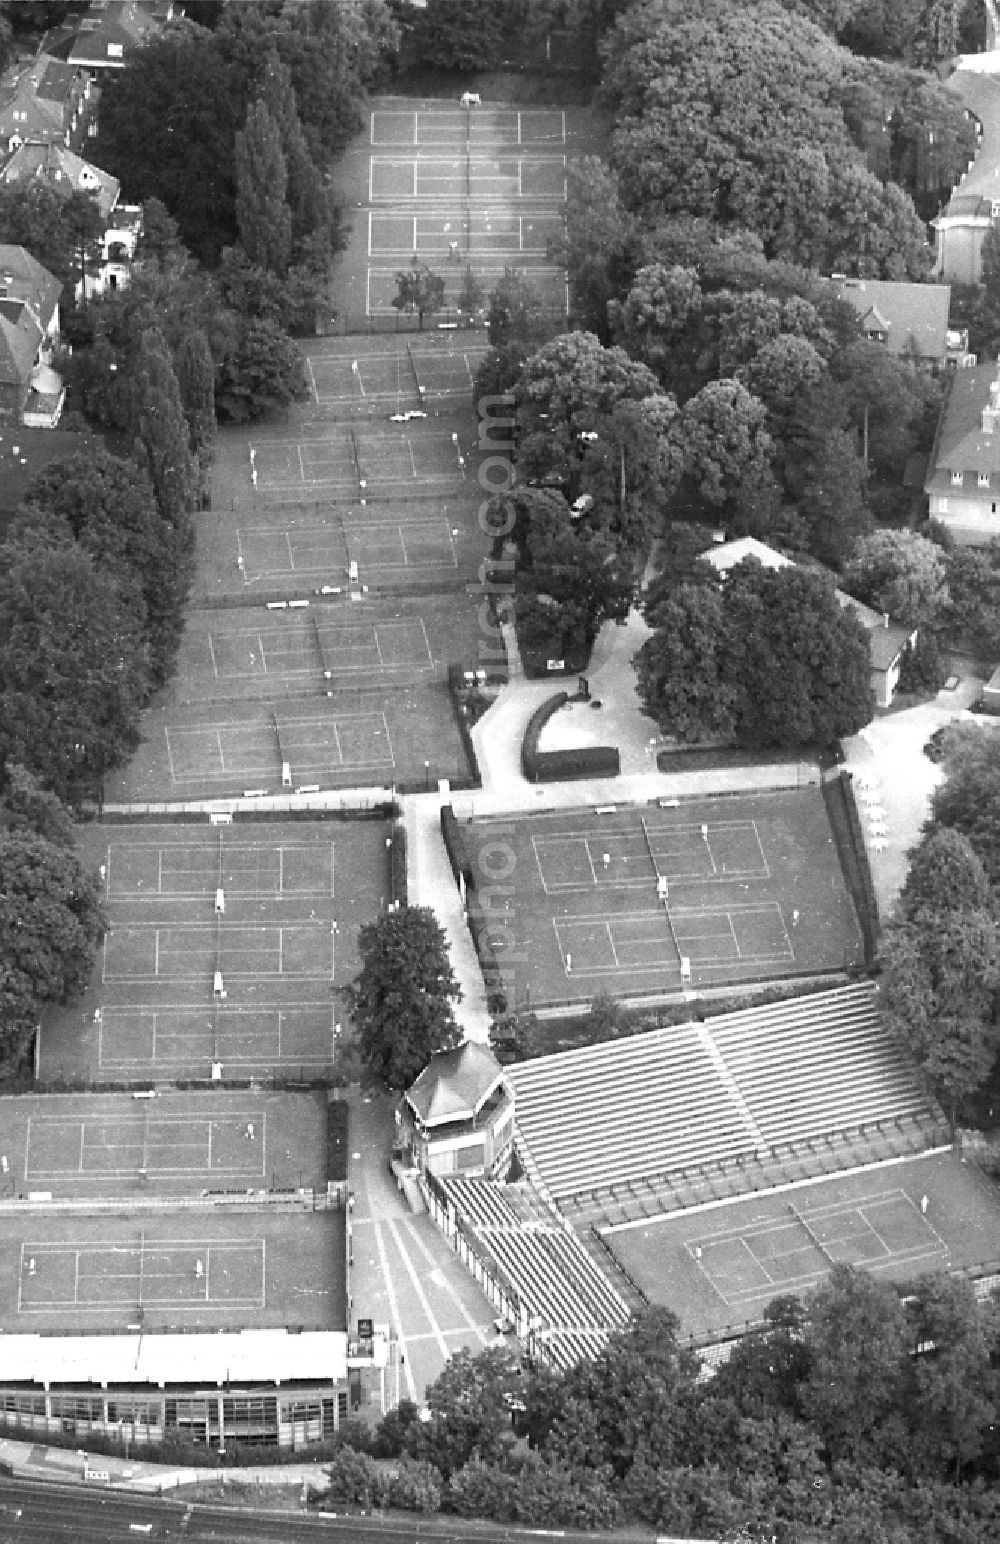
(107, 506)
(263, 371)
(195, 371)
(569, 388)
(824, 474)
(680, 667)
(600, 233)
(419, 290)
(516, 315)
(722, 443)
(773, 661)
(168, 128)
(61, 227)
(956, 1384)
(973, 577)
(657, 316)
(969, 798)
(162, 444)
(855, 1337)
(51, 919)
(468, 1411)
(900, 573)
(73, 670)
(401, 1000)
(263, 216)
(940, 971)
(944, 875)
(463, 34)
(629, 1404)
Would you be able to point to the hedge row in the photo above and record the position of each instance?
(587, 761)
(454, 846)
(479, 927)
(563, 766)
(337, 1118)
(838, 796)
(397, 864)
(456, 685)
(463, 872)
(536, 723)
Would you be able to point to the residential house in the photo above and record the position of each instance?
(30, 390)
(458, 1117)
(48, 101)
(911, 320)
(69, 173)
(963, 480)
(111, 30)
(888, 642)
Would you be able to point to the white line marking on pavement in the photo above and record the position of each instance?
(394, 1307)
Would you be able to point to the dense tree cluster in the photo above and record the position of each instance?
(401, 1001)
(767, 658)
(170, 121)
(824, 1423)
(51, 919)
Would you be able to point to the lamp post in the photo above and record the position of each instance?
(427, 777)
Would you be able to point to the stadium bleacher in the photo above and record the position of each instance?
(682, 1114)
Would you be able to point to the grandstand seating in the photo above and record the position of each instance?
(654, 1123)
(541, 1264)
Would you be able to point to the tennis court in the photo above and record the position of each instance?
(356, 461)
(719, 1265)
(167, 1142)
(227, 946)
(408, 538)
(361, 377)
(481, 233)
(174, 1274)
(153, 871)
(222, 1146)
(175, 1267)
(663, 896)
(456, 126)
(548, 283)
(452, 180)
(312, 746)
(301, 647)
(140, 1040)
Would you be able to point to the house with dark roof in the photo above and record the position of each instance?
(48, 101)
(888, 642)
(963, 479)
(30, 390)
(112, 29)
(458, 1116)
(68, 173)
(911, 320)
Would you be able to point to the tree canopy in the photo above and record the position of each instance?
(768, 659)
(401, 1000)
(51, 919)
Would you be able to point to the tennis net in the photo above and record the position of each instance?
(327, 672)
(649, 847)
(413, 367)
(357, 458)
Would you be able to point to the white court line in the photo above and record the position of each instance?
(222, 759)
(156, 958)
(378, 648)
(422, 1298)
(83, 1143)
(337, 746)
(611, 941)
(370, 217)
(390, 1293)
(402, 546)
(443, 1284)
(736, 941)
(332, 890)
(302, 469)
(385, 726)
(291, 555)
(312, 376)
(263, 656)
(170, 761)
